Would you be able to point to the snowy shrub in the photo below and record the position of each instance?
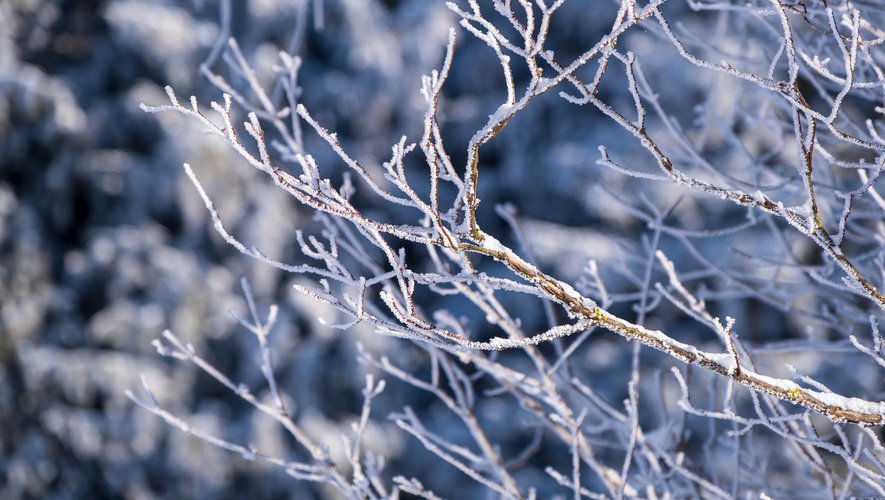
(629, 249)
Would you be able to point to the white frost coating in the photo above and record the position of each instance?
(571, 292)
(668, 341)
(759, 196)
(499, 343)
(725, 360)
(490, 243)
(803, 209)
(784, 385)
(829, 399)
(500, 114)
(853, 404)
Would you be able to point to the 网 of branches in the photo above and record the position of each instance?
(828, 49)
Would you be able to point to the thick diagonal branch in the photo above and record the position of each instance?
(838, 408)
